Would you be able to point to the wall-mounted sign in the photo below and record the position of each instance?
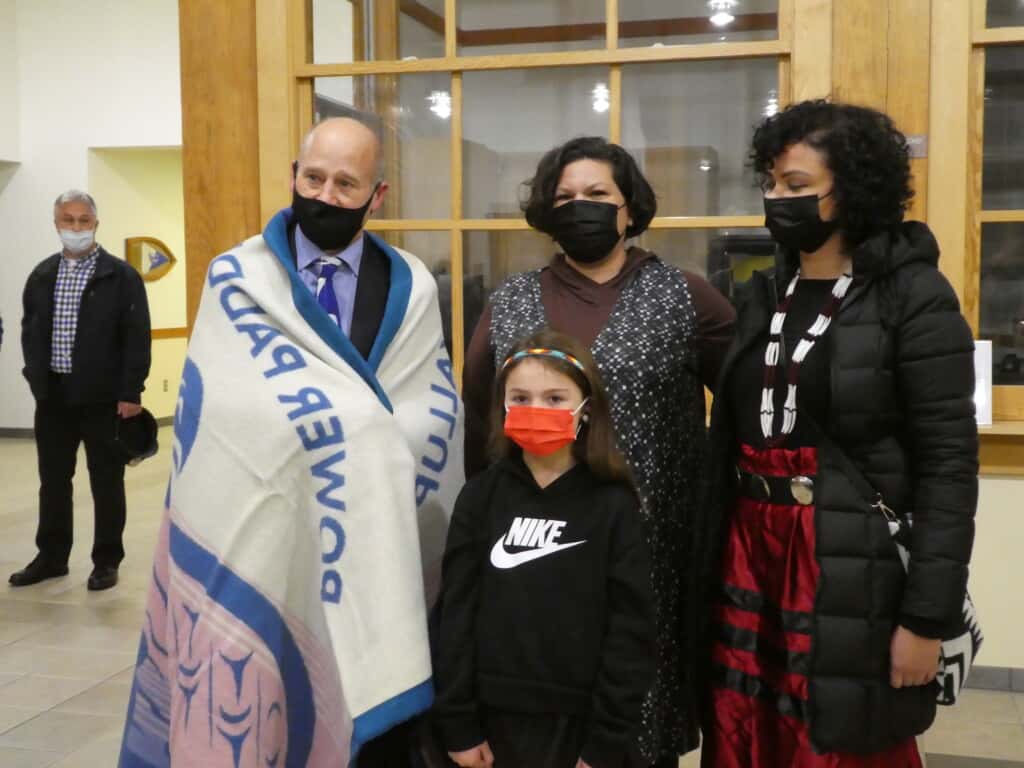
(149, 256)
(917, 143)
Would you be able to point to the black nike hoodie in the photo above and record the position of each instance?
(547, 607)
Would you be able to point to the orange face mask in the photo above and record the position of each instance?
(540, 431)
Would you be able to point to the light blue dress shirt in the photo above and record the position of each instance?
(307, 260)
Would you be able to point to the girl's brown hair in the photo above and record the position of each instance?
(596, 445)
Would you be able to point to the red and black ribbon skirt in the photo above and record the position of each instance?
(761, 654)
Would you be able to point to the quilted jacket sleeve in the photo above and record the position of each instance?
(936, 379)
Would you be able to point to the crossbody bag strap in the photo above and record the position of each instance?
(852, 471)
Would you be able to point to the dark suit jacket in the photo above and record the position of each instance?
(371, 295)
(112, 340)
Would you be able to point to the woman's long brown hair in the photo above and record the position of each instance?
(596, 445)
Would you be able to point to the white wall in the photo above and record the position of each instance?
(8, 83)
(997, 571)
(98, 74)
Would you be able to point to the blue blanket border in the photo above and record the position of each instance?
(276, 237)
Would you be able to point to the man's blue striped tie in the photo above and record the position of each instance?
(325, 295)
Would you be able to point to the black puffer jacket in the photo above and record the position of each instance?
(902, 385)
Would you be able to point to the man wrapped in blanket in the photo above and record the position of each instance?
(317, 455)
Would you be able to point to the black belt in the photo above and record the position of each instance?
(786, 491)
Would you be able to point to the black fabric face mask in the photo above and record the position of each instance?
(795, 222)
(586, 230)
(328, 227)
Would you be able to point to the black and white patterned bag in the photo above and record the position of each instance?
(957, 653)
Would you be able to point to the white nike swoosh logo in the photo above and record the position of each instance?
(500, 558)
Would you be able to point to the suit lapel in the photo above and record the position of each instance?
(371, 298)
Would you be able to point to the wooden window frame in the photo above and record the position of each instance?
(286, 87)
(823, 48)
(1007, 401)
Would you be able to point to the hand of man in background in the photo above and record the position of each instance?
(127, 410)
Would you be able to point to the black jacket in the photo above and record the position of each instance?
(567, 630)
(902, 386)
(111, 355)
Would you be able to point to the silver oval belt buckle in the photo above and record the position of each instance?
(802, 488)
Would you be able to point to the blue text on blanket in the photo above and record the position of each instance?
(321, 437)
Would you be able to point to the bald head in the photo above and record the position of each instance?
(344, 138)
(339, 164)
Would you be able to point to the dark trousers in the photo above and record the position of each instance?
(393, 749)
(539, 740)
(60, 428)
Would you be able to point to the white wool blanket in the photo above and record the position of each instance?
(304, 527)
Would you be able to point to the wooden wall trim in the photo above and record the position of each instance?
(220, 155)
(908, 73)
(947, 135)
(970, 262)
(275, 98)
(811, 61)
(612, 22)
(456, 261)
(1001, 454)
(1008, 403)
(615, 104)
(695, 52)
(1000, 36)
(1001, 217)
(860, 58)
(168, 333)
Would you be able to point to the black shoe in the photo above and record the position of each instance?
(36, 571)
(102, 577)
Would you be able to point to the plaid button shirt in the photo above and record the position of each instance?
(72, 277)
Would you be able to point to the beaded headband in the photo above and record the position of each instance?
(539, 352)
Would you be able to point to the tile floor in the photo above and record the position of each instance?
(66, 654)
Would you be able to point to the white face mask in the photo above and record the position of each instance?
(77, 242)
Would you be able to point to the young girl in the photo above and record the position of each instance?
(545, 649)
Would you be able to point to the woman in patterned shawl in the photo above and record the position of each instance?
(659, 335)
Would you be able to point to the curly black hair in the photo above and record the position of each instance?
(866, 153)
(640, 199)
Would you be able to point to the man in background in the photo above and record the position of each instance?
(86, 341)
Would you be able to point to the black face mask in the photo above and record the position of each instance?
(795, 222)
(328, 227)
(586, 230)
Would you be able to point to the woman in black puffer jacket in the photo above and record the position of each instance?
(851, 357)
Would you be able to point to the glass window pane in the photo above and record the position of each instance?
(1002, 299)
(490, 257)
(434, 250)
(1004, 13)
(689, 125)
(1003, 159)
(512, 117)
(726, 257)
(486, 27)
(673, 22)
(412, 113)
(376, 30)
